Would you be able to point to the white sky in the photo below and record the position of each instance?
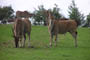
(30, 5)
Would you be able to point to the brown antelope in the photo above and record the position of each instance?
(56, 27)
(20, 28)
(25, 14)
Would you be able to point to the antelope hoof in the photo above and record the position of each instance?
(55, 45)
(30, 47)
(75, 46)
(50, 46)
(23, 46)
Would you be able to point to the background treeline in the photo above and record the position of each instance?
(6, 13)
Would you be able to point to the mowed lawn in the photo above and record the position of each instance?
(65, 49)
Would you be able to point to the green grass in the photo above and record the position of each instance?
(65, 49)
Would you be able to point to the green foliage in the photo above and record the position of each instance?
(39, 15)
(55, 12)
(75, 14)
(40, 40)
(6, 12)
(88, 19)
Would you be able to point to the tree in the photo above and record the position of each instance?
(74, 13)
(56, 13)
(6, 12)
(39, 15)
(88, 19)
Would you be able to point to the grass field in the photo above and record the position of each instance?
(65, 49)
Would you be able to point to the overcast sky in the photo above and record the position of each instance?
(30, 5)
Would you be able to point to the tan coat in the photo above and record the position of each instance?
(62, 26)
(23, 14)
(21, 27)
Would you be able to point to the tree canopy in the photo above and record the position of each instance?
(88, 19)
(6, 12)
(74, 13)
(41, 17)
(56, 12)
